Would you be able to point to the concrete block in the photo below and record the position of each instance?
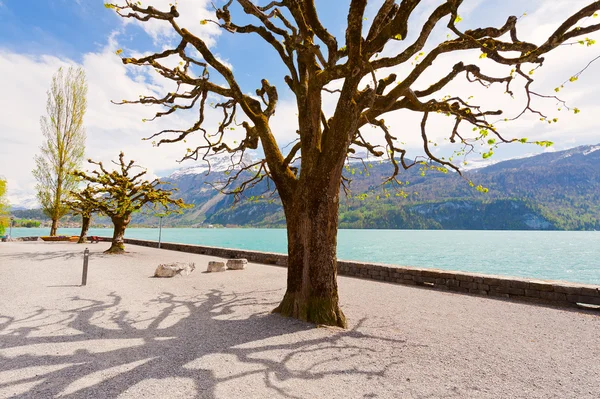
(214, 266)
(237, 264)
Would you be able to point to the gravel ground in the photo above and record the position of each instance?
(211, 336)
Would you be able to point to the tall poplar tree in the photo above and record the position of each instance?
(64, 145)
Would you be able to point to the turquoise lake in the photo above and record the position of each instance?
(556, 255)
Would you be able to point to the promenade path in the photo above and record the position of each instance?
(211, 335)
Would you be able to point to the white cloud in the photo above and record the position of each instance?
(110, 128)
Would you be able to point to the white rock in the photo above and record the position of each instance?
(214, 266)
(173, 269)
(237, 264)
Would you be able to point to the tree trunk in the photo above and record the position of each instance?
(85, 226)
(118, 240)
(312, 219)
(54, 227)
(311, 206)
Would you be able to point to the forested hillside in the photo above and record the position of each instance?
(558, 190)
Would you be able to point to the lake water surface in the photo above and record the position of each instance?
(556, 255)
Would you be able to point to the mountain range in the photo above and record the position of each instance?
(552, 191)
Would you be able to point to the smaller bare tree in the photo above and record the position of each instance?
(118, 194)
(83, 203)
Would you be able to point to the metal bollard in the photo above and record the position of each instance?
(86, 256)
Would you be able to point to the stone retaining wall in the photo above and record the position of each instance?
(550, 292)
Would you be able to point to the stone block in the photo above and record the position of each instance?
(499, 289)
(588, 291)
(503, 282)
(407, 282)
(491, 281)
(532, 293)
(523, 298)
(519, 284)
(498, 294)
(566, 288)
(463, 277)
(458, 289)
(173, 269)
(553, 296)
(477, 291)
(237, 264)
(541, 286)
(469, 284)
(516, 291)
(215, 266)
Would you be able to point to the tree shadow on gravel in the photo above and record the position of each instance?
(208, 345)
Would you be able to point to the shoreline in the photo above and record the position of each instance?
(549, 292)
(564, 256)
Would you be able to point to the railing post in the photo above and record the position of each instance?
(86, 256)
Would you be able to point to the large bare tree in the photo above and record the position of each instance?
(64, 145)
(357, 69)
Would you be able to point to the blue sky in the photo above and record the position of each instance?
(60, 27)
(39, 36)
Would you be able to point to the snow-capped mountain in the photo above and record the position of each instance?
(219, 163)
(23, 201)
